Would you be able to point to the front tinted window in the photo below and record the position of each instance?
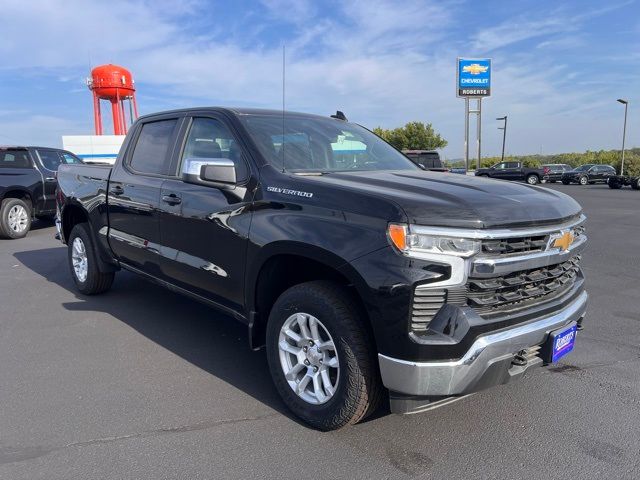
(209, 138)
(14, 159)
(322, 145)
(151, 153)
(583, 168)
(50, 159)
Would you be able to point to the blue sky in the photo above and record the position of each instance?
(558, 65)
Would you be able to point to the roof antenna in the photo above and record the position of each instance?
(283, 97)
(340, 116)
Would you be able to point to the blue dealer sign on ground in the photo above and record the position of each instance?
(474, 77)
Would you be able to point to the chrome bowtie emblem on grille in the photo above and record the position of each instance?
(561, 240)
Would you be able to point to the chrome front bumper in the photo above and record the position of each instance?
(458, 377)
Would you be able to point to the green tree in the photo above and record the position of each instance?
(413, 136)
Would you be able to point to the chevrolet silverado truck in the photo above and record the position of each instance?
(513, 171)
(362, 274)
(28, 186)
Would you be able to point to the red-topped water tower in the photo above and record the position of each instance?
(115, 84)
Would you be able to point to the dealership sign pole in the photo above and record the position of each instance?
(473, 80)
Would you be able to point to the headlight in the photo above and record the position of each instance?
(411, 243)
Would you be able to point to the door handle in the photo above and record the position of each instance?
(171, 199)
(50, 179)
(117, 190)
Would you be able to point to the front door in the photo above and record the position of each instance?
(204, 229)
(134, 194)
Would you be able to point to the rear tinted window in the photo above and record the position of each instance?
(151, 153)
(14, 159)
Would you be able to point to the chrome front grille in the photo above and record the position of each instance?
(519, 289)
(514, 269)
(496, 295)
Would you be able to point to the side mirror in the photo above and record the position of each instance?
(211, 172)
(421, 166)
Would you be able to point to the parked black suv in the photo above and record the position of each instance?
(27, 186)
(355, 268)
(553, 171)
(588, 174)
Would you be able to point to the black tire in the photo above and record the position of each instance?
(552, 181)
(615, 186)
(533, 179)
(566, 182)
(6, 230)
(95, 281)
(635, 183)
(583, 180)
(359, 388)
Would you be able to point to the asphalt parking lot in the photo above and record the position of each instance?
(143, 383)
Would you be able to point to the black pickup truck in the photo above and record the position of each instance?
(362, 274)
(28, 185)
(513, 171)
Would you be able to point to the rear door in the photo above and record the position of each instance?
(204, 229)
(49, 160)
(134, 193)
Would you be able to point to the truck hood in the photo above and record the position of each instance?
(443, 199)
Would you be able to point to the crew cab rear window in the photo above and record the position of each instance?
(151, 153)
(14, 159)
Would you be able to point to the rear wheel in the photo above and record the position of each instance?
(321, 357)
(583, 180)
(15, 218)
(635, 183)
(84, 265)
(533, 179)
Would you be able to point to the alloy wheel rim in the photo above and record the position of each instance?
(308, 358)
(18, 218)
(79, 259)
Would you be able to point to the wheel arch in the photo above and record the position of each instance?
(284, 264)
(19, 193)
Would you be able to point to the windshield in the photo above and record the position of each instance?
(321, 145)
(582, 168)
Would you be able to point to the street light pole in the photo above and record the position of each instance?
(624, 132)
(504, 133)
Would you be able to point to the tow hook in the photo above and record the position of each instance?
(520, 359)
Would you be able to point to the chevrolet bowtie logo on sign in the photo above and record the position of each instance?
(473, 77)
(562, 241)
(475, 69)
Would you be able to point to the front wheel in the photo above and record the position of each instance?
(533, 179)
(321, 356)
(635, 184)
(15, 218)
(83, 263)
(614, 185)
(566, 182)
